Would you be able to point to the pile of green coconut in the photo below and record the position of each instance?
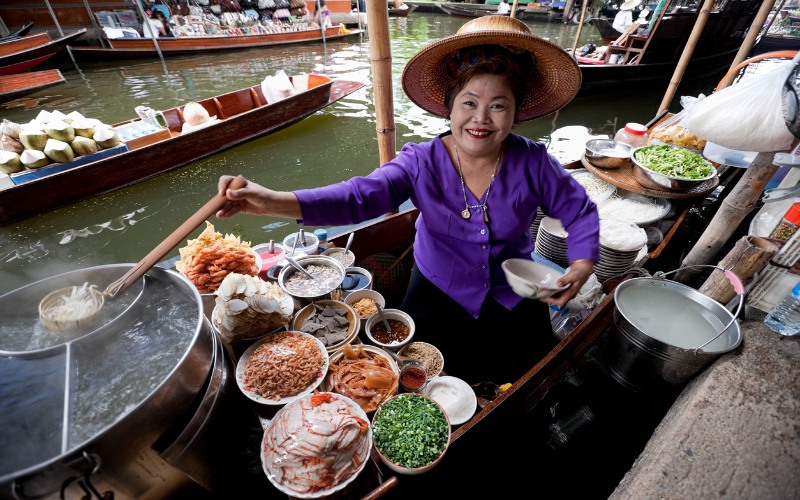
(52, 137)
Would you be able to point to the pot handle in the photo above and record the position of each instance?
(737, 285)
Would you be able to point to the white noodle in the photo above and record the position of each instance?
(79, 304)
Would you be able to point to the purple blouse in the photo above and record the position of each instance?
(462, 256)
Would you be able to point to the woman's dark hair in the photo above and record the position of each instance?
(467, 63)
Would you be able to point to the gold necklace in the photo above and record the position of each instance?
(466, 212)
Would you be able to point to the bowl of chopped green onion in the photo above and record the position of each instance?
(411, 433)
(664, 167)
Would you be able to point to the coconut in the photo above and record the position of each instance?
(106, 137)
(33, 138)
(34, 125)
(57, 115)
(72, 116)
(33, 158)
(8, 143)
(83, 127)
(59, 151)
(195, 114)
(83, 145)
(44, 116)
(10, 128)
(60, 130)
(9, 162)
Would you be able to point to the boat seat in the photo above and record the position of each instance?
(238, 102)
(174, 120)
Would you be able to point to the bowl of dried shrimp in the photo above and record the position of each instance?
(282, 367)
(304, 463)
(333, 322)
(364, 373)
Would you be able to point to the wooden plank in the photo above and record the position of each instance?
(17, 85)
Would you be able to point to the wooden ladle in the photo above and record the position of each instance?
(155, 256)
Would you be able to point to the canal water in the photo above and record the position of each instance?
(330, 146)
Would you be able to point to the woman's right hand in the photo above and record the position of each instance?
(255, 199)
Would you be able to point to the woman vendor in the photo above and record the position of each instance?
(477, 187)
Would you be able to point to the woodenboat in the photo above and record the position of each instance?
(772, 42)
(651, 58)
(23, 53)
(144, 47)
(401, 12)
(243, 115)
(473, 10)
(21, 31)
(13, 86)
(607, 32)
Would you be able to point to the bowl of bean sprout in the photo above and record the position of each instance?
(664, 167)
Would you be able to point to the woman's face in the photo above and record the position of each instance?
(483, 114)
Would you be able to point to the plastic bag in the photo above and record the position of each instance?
(745, 116)
(278, 87)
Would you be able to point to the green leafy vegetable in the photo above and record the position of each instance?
(410, 430)
(674, 162)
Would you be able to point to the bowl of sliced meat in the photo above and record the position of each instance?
(333, 322)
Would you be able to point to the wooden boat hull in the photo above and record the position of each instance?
(13, 86)
(772, 43)
(26, 52)
(22, 31)
(401, 12)
(144, 47)
(474, 10)
(47, 193)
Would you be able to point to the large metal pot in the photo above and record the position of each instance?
(99, 403)
(659, 329)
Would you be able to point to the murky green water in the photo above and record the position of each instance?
(332, 145)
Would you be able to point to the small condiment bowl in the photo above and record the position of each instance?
(608, 153)
(355, 278)
(413, 377)
(354, 297)
(392, 316)
(433, 366)
(345, 259)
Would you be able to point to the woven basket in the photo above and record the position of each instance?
(59, 324)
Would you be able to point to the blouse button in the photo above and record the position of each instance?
(483, 266)
(484, 246)
(486, 285)
(483, 231)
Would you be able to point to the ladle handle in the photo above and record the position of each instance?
(157, 254)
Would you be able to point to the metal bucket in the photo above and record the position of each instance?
(665, 332)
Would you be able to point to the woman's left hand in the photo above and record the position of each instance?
(577, 274)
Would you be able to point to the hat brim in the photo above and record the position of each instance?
(554, 82)
(630, 4)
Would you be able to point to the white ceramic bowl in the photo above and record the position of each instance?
(530, 279)
(354, 297)
(397, 315)
(433, 430)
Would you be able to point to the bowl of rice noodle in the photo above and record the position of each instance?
(364, 373)
(642, 210)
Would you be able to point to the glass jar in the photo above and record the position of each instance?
(788, 224)
(634, 134)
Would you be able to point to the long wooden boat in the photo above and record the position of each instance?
(401, 12)
(21, 31)
(473, 10)
(651, 59)
(607, 32)
(23, 53)
(18, 85)
(243, 115)
(772, 42)
(144, 47)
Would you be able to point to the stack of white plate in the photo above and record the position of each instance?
(620, 244)
(536, 222)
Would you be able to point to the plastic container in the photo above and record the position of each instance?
(788, 224)
(785, 317)
(268, 259)
(322, 236)
(308, 245)
(634, 134)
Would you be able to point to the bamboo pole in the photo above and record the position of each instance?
(513, 13)
(580, 26)
(767, 27)
(749, 40)
(748, 256)
(732, 211)
(688, 50)
(381, 61)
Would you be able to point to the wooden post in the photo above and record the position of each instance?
(749, 40)
(380, 54)
(748, 256)
(513, 13)
(688, 50)
(731, 213)
(580, 26)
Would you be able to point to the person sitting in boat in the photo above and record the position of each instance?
(624, 18)
(159, 25)
(324, 13)
(477, 187)
(399, 5)
(503, 9)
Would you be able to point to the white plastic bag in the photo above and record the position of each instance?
(278, 87)
(746, 116)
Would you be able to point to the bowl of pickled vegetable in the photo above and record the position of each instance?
(411, 433)
(664, 167)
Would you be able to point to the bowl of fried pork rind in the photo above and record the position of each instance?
(303, 462)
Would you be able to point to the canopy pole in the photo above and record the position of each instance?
(513, 13)
(699, 24)
(750, 39)
(381, 60)
(580, 26)
(147, 28)
(322, 26)
(55, 19)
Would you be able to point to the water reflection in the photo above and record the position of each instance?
(332, 145)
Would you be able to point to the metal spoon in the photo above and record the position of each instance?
(402, 360)
(297, 266)
(383, 318)
(349, 242)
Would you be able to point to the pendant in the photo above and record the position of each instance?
(465, 213)
(485, 216)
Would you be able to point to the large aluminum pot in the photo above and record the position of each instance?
(99, 403)
(658, 327)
